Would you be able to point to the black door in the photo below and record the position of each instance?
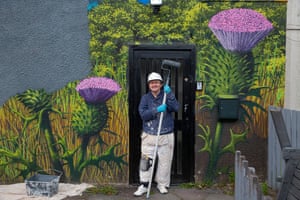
(144, 59)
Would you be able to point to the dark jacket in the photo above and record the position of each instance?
(148, 112)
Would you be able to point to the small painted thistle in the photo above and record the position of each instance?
(239, 29)
(97, 89)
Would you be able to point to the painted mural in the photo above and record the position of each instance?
(82, 129)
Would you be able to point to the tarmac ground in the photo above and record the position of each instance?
(175, 193)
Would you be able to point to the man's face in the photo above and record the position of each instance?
(155, 85)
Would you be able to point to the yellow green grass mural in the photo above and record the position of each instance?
(78, 137)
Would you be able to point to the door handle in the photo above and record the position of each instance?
(185, 107)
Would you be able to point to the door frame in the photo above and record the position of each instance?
(166, 52)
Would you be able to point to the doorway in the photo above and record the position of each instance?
(144, 59)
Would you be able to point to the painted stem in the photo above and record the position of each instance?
(83, 148)
(46, 128)
(215, 153)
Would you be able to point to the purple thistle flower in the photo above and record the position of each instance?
(97, 89)
(239, 29)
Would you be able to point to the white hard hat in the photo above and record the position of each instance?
(154, 76)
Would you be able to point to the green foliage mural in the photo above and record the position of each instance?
(75, 131)
(223, 70)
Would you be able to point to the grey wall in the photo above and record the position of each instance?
(43, 44)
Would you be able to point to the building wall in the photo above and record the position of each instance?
(32, 120)
(292, 94)
(44, 44)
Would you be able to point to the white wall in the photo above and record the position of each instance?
(292, 76)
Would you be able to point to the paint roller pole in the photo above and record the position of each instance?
(172, 64)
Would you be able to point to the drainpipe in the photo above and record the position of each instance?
(292, 71)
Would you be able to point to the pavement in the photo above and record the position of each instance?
(175, 193)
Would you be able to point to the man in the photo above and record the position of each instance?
(150, 108)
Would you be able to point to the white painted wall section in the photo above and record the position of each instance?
(292, 73)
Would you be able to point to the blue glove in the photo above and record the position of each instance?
(161, 108)
(167, 89)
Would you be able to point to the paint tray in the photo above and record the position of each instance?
(41, 184)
